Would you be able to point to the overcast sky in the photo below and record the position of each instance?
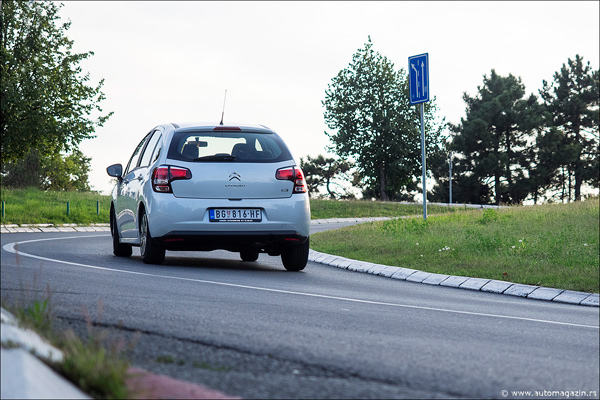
(172, 61)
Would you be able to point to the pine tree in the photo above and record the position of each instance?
(494, 134)
(572, 100)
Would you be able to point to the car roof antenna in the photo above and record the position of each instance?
(223, 113)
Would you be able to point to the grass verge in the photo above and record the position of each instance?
(553, 245)
(324, 209)
(34, 206)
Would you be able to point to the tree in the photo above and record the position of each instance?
(49, 172)
(327, 172)
(367, 107)
(46, 102)
(492, 137)
(466, 188)
(572, 101)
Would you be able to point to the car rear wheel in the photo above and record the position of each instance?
(119, 249)
(151, 252)
(294, 258)
(249, 255)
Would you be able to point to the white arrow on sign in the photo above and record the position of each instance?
(423, 77)
(416, 77)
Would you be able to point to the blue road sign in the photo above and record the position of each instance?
(418, 76)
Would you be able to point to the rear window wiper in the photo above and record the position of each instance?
(216, 157)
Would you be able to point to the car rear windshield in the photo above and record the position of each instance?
(228, 147)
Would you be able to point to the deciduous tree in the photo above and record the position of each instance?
(47, 103)
(373, 124)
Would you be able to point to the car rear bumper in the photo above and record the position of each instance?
(176, 218)
(230, 240)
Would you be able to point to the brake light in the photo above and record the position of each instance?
(292, 174)
(226, 128)
(163, 176)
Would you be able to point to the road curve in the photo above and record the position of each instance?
(257, 331)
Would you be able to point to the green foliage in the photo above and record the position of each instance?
(571, 100)
(48, 172)
(512, 148)
(327, 172)
(209, 367)
(165, 359)
(39, 312)
(325, 209)
(546, 159)
(493, 136)
(36, 315)
(66, 173)
(33, 206)
(552, 245)
(489, 215)
(96, 368)
(367, 107)
(46, 101)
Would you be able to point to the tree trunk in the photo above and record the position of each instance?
(382, 183)
(570, 185)
(562, 195)
(331, 194)
(497, 187)
(507, 167)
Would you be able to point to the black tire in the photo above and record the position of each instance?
(294, 258)
(249, 255)
(151, 252)
(119, 249)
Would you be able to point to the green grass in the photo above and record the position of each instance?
(553, 245)
(34, 206)
(97, 366)
(324, 209)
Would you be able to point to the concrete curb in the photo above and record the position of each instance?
(24, 374)
(49, 228)
(460, 282)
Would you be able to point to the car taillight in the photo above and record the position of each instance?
(292, 174)
(163, 176)
(227, 128)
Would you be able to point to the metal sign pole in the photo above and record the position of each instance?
(450, 180)
(418, 84)
(423, 158)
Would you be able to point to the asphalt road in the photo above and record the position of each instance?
(257, 331)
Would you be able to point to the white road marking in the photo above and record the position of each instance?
(10, 247)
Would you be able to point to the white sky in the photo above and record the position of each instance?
(172, 61)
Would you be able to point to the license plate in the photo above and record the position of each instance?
(235, 215)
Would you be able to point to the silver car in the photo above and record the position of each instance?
(209, 187)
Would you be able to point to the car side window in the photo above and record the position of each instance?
(133, 161)
(156, 152)
(146, 157)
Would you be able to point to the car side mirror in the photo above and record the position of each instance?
(115, 170)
